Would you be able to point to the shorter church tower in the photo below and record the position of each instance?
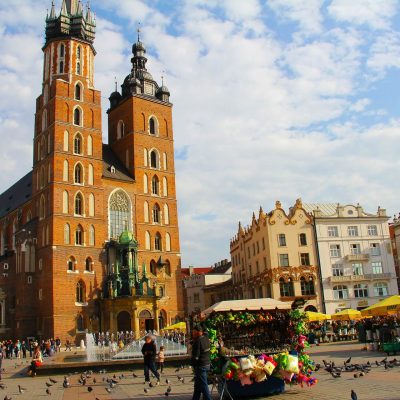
(140, 134)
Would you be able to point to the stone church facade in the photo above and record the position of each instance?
(89, 238)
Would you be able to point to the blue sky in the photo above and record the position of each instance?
(273, 99)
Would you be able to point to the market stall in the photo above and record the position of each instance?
(256, 346)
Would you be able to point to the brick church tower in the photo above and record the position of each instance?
(94, 243)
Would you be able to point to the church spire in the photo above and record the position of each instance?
(52, 11)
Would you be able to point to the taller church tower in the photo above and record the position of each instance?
(67, 171)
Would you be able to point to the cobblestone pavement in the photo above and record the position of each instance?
(379, 384)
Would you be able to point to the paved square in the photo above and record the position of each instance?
(379, 384)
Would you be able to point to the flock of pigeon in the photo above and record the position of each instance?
(358, 370)
(89, 379)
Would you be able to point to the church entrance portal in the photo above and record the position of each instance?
(124, 321)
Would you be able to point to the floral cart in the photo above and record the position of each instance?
(257, 346)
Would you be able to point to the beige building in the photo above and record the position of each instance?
(275, 257)
(196, 283)
(355, 253)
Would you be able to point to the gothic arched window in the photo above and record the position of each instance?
(78, 116)
(71, 264)
(78, 91)
(157, 242)
(155, 185)
(153, 126)
(66, 233)
(88, 264)
(154, 159)
(120, 129)
(156, 214)
(80, 292)
(78, 174)
(119, 213)
(79, 235)
(78, 144)
(78, 204)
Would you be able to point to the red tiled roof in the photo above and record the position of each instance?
(196, 270)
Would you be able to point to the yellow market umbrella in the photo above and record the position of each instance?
(346, 315)
(317, 316)
(178, 325)
(390, 305)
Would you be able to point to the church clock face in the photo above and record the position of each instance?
(149, 88)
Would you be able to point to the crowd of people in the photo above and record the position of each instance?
(380, 329)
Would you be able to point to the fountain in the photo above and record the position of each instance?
(91, 348)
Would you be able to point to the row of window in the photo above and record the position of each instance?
(79, 238)
(152, 159)
(78, 144)
(157, 243)
(79, 173)
(355, 249)
(61, 59)
(352, 230)
(77, 117)
(356, 269)
(152, 130)
(284, 259)
(302, 237)
(360, 290)
(286, 287)
(79, 204)
(156, 214)
(78, 95)
(155, 185)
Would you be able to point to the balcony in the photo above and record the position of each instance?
(357, 257)
(376, 277)
(348, 278)
(359, 278)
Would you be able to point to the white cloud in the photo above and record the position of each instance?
(375, 13)
(261, 116)
(307, 14)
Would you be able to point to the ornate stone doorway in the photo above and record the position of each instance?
(146, 320)
(124, 321)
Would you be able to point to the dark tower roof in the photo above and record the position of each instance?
(139, 81)
(72, 21)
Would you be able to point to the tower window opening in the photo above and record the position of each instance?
(77, 116)
(78, 68)
(78, 92)
(79, 236)
(78, 144)
(79, 204)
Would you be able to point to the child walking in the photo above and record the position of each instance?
(161, 357)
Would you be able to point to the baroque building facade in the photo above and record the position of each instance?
(89, 238)
(275, 257)
(356, 255)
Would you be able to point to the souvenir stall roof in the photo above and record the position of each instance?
(248, 304)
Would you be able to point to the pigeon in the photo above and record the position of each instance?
(48, 392)
(89, 389)
(66, 384)
(151, 384)
(177, 370)
(52, 380)
(49, 384)
(166, 393)
(353, 395)
(169, 389)
(94, 380)
(348, 361)
(134, 375)
(167, 381)
(21, 389)
(7, 398)
(146, 390)
(355, 375)
(336, 374)
(108, 390)
(2, 386)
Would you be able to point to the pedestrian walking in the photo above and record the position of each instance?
(200, 362)
(2, 356)
(149, 351)
(23, 349)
